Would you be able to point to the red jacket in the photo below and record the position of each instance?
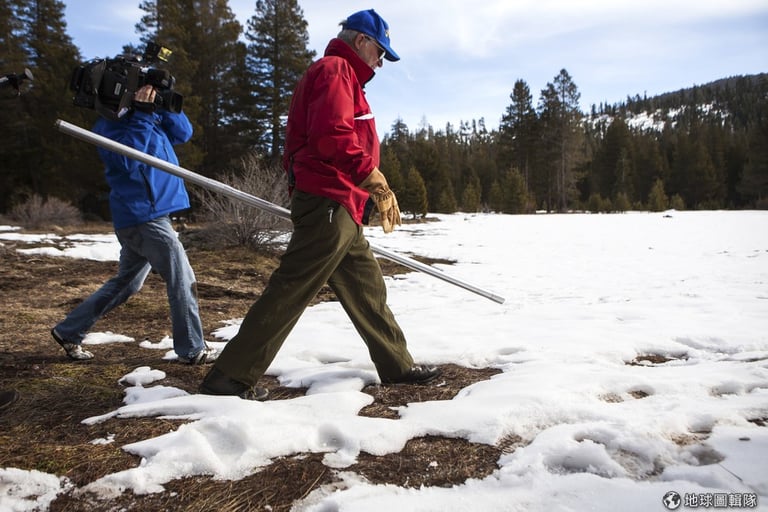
(331, 141)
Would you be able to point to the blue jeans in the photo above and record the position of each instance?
(144, 247)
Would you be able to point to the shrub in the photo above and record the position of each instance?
(37, 212)
(231, 222)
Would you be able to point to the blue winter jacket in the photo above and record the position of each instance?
(140, 193)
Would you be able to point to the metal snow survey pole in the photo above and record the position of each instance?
(217, 186)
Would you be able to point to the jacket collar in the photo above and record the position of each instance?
(339, 48)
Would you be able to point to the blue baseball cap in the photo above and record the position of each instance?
(370, 23)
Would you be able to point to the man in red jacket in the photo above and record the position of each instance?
(332, 159)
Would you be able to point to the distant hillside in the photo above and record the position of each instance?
(735, 101)
(724, 87)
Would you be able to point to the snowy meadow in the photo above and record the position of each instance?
(634, 358)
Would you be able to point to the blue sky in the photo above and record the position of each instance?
(460, 59)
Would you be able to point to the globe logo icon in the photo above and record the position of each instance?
(672, 500)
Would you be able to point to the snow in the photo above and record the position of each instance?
(585, 296)
(655, 121)
(92, 247)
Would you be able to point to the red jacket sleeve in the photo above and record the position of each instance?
(331, 122)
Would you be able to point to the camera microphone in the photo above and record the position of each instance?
(14, 80)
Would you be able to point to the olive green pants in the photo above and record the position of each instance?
(326, 246)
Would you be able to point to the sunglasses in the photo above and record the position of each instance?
(382, 50)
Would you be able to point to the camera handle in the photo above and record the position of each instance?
(126, 100)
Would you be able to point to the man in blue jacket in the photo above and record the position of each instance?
(141, 201)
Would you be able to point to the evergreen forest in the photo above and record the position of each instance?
(704, 147)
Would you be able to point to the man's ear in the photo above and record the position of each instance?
(359, 40)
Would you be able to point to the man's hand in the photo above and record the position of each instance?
(144, 99)
(382, 195)
(389, 211)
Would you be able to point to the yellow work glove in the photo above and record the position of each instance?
(386, 202)
(389, 211)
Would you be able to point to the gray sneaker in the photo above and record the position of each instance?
(74, 350)
(205, 356)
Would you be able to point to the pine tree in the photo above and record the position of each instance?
(621, 202)
(615, 145)
(170, 25)
(624, 173)
(207, 63)
(15, 146)
(496, 197)
(399, 133)
(397, 140)
(414, 197)
(470, 196)
(657, 199)
(735, 164)
(277, 57)
(517, 132)
(470, 199)
(707, 189)
(514, 194)
(446, 201)
(13, 59)
(563, 136)
(649, 164)
(43, 161)
(676, 202)
(424, 156)
(595, 203)
(220, 82)
(754, 183)
(445, 197)
(390, 167)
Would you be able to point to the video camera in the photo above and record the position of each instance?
(14, 80)
(108, 85)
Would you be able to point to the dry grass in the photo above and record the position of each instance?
(44, 430)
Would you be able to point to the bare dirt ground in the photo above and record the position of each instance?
(44, 430)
